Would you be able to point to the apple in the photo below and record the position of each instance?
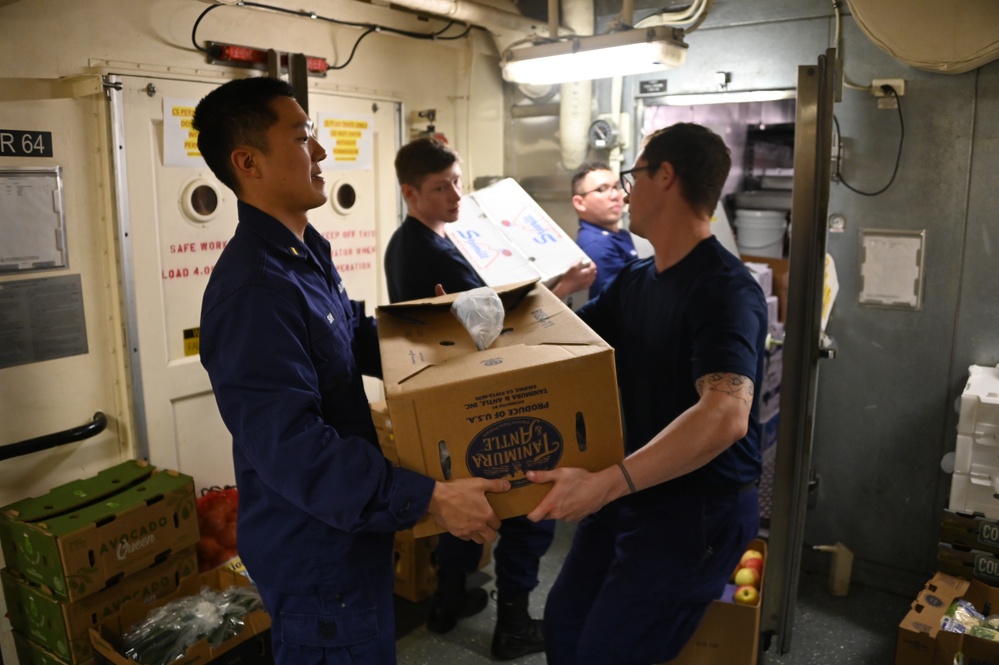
(747, 576)
(746, 595)
(750, 554)
(755, 564)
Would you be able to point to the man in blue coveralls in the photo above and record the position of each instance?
(599, 203)
(664, 529)
(418, 258)
(285, 349)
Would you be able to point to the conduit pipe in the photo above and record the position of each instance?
(506, 27)
(576, 98)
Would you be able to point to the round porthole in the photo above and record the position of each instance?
(343, 196)
(199, 201)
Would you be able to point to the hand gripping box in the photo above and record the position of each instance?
(543, 395)
(87, 534)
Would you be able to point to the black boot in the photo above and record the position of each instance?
(452, 602)
(516, 634)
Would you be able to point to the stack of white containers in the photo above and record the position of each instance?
(975, 483)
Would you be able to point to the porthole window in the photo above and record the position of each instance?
(199, 201)
(343, 196)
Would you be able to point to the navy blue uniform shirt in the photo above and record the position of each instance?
(318, 502)
(608, 249)
(705, 314)
(417, 259)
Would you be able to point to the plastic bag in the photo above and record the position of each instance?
(169, 631)
(481, 312)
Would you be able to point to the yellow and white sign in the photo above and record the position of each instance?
(180, 139)
(347, 140)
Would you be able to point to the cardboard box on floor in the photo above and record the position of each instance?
(543, 395)
(30, 653)
(920, 640)
(63, 627)
(729, 633)
(251, 646)
(87, 534)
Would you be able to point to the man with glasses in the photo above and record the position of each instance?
(662, 531)
(599, 203)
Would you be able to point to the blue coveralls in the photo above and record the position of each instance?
(642, 571)
(608, 249)
(416, 260)
(318, 502)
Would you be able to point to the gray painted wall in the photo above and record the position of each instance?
(885, 410)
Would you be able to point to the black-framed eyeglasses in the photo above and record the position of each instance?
(628, 177)
(602, 189)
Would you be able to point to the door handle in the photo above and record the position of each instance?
(97, 425)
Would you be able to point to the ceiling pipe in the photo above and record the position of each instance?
(506, 27)
(576, 98)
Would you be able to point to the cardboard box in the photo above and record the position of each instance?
(729, 633)
(89, 533)
(383, 428)
(62, 627)
(29, 653)
(969, 531)
(917, 633)
(977, 651)
(415, 566)
(249, 647)
(779, 268)
(543, 395)
(507, 237)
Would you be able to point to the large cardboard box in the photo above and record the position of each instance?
(415, 566)
(62, 627)
(89, 533)
(977, 651)
(543, 395)
(249, 647)
(729, 633)
(30, 653)
(918, 630)
(507, 237)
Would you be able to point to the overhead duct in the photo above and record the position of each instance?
(948, 38)
(576, 98)
(505, 26)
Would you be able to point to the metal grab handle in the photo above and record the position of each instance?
(93, 428)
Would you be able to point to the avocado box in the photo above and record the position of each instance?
(88, 534)
(63, 627)
(543, 395)
(251, 646)
(30, 653)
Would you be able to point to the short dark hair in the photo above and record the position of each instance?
(420, 158)
(236, 113)
(699, 157)
(584, 169)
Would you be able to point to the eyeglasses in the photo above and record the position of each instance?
(602, 189)
(628, 177)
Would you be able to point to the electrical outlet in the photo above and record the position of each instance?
(897, 84)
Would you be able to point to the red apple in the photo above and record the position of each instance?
(747, 576)
(755, 564)
(746, 595)
(750, 554)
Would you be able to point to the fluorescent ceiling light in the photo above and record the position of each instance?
(635, 51)
(726, 97)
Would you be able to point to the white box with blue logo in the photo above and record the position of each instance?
(507, 237)
(543, 395)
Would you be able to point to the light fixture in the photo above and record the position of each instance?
(635, 51)
(726, 97)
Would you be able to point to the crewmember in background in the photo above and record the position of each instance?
(599, 203)
(285, 349)
(664, 529)
(419, 257)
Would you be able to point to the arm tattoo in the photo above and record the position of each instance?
(736, 385)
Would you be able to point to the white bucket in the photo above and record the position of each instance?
(760, 232)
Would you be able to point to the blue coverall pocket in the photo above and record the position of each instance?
(330, 631)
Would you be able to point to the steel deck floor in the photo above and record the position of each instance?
(858, 629)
